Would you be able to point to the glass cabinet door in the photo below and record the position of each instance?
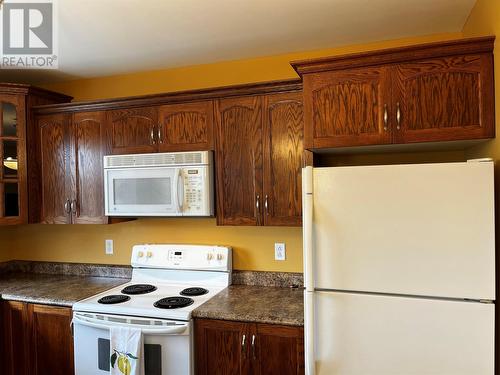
(9, 153)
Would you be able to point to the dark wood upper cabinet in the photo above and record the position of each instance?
(88, 136)
(132, 131)
(239, 161)
(186, 127)
(283, 154)
(443, 99)
(16, 130)
(71, 155)
(259, 159)
(425, 93)
(54, 135)
(348, 107)
(234, 348)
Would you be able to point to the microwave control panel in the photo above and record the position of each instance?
(195, 194)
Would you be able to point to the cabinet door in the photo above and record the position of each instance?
(283, 150)
(15, 338)
(278, 350)
(221, 347)
(52, 341)
(87, 169)
(186, 127)
(132, 131)
(55, 168)
(346, 108)
(444, 99)
(13, 185)
(239, 161)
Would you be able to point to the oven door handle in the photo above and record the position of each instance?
(89, 322)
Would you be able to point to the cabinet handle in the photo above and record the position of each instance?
(160, 138)
(243, 346)
(152, 135)
(67, 206)
(266, 205)
(253, 347)
(398, 116)
(72, 206)
(257, 205)
(386, 117)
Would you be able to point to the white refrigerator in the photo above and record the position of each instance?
(399, 269)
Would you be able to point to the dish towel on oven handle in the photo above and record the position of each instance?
(126, 351)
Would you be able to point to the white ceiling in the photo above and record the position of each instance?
(106, 37)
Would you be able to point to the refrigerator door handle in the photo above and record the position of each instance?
(309, 333)
(307, 219)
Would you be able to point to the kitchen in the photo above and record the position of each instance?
(251, 113)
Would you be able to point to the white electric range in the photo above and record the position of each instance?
(168, 283)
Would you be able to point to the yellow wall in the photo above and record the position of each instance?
(218, 74)
(253, 247)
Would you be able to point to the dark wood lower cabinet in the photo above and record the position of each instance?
(15, 338)
(234, 348)
(37, 339)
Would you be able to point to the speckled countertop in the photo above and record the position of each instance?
(61, 290)
(264, 298)
(259, 304)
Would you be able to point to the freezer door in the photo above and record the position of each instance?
(425, 229)
(380, 335)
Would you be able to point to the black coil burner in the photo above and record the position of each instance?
(195, 291)
(173, 302)
(112, 299)
(139, 289)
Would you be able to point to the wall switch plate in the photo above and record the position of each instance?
(109, 247)
(279, 251)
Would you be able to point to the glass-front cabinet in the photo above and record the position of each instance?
(13, 197)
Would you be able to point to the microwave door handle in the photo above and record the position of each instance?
(89, 322)
(180, 190)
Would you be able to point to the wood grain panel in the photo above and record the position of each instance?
(186, 127)
(279, 350)
(443, 99)
(219, 348)
(87, 167)
(51, 340)
(283, 150)
(15, 335)
(33, 147)
(55, 167)
(132, 130)
(239, 161)
(346, 108)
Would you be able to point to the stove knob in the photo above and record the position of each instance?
(210, 256)
(149, 254)
(140, 254)
(220, 256)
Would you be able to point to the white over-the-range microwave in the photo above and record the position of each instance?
(160, 184)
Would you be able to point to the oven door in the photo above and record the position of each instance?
(167, 343)
(142, 191)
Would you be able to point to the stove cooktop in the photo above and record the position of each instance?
(148, 300)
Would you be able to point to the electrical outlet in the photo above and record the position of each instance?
(279, 251)
(109, 247)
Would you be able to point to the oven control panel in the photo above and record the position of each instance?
(188, 257)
